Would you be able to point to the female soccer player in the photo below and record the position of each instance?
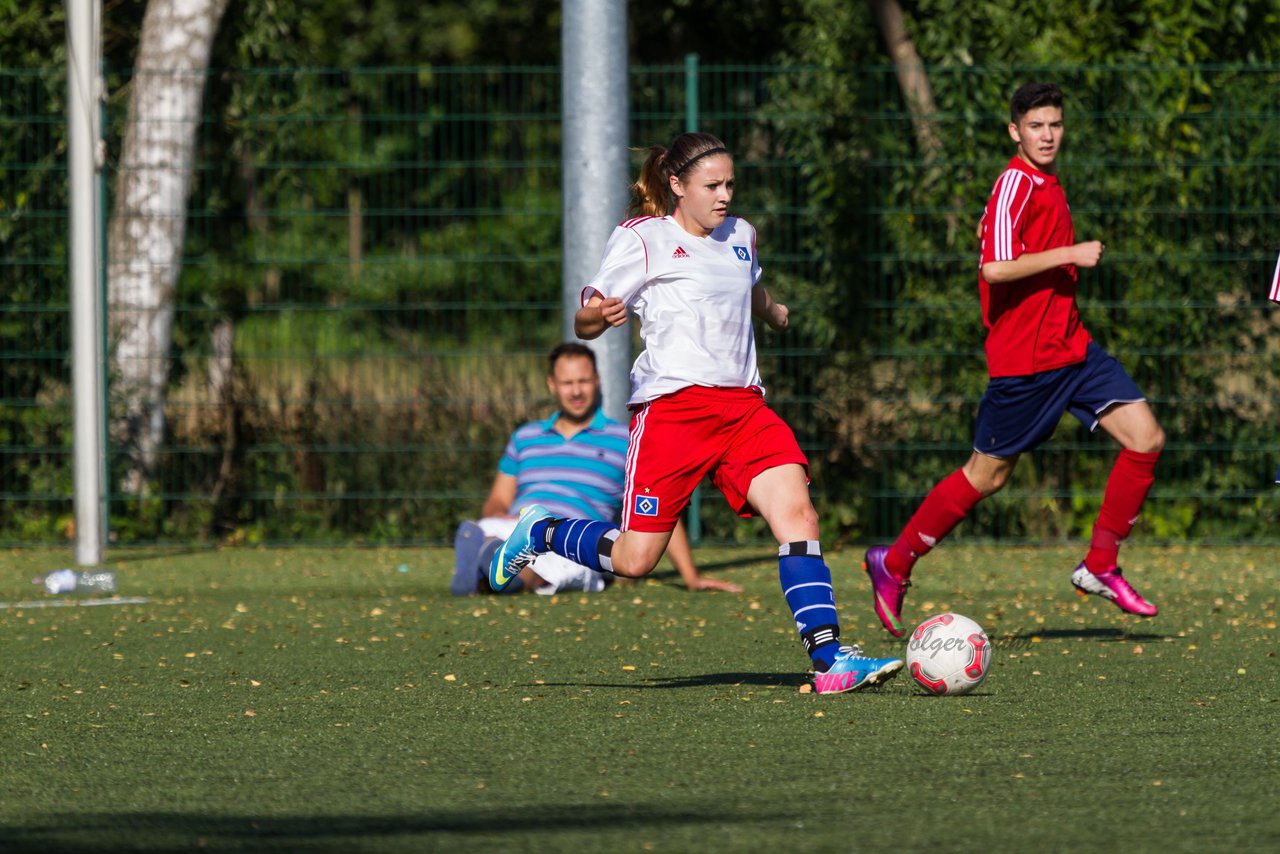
(689, 271)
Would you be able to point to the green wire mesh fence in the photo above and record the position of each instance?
(371, 273)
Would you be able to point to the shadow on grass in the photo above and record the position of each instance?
(147, 554)
(704, 680)
(1095, 634)
(765, 559)
(666, 573)
(138, 831)
(701, 680)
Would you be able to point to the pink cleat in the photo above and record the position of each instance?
(1112, 585)
(887, 590)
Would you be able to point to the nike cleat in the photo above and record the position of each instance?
(1113, 586)
(517, 551)
(851, 671)
(887, 590)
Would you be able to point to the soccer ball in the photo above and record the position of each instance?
(948, 654)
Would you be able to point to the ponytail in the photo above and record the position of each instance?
(651, 194)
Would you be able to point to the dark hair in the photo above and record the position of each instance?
(1031, 96)
(570, 348)
(651, 193)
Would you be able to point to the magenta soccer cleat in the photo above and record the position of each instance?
(1112, 585)
(887, 590)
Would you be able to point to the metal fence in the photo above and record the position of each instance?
(371, 277)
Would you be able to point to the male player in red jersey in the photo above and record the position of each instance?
(1042, 363)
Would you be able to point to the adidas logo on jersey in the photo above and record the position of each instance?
(679, 253)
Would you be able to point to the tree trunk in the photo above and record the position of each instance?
(912, 80)
(148, 222)
(223, 393)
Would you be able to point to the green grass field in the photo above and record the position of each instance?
(342, 700)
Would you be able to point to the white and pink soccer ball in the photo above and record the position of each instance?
(948, 654)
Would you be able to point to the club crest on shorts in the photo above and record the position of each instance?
(645, 505)
(742, 253)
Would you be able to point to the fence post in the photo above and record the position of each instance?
(83, 132)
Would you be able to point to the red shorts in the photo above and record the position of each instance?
(680, 437)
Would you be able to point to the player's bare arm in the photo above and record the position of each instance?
(597, 315)
(1086, 254)
(501, 496)
(773, 313)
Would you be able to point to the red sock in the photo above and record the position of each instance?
(942, 509)
(1127, 487)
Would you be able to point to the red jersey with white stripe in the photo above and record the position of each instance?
(1033, 324)
(693, 298)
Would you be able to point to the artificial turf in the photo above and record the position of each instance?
(342, 700)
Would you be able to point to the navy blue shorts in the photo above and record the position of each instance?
(1019, 413)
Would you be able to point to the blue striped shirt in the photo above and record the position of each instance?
(579, 478)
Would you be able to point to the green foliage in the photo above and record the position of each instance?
(377, 216)
(326, 33)
(34, 335)
(1089, 32)
(31, 33)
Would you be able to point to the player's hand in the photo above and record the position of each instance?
(613, 311)
(703, 583)
(1089, 254)
(779, 317)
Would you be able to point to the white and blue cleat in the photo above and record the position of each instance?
(517, 551)
(852, 670)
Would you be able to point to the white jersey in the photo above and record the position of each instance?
(693, 297)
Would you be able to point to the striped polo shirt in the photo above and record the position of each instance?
(577, 478)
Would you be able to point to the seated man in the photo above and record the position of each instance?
(572, 464)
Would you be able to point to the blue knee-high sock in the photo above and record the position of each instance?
(806, 584)
(583, 541)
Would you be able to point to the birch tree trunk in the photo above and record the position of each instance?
(148, 222)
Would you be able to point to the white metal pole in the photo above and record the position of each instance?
(83, 21)
(595, 127)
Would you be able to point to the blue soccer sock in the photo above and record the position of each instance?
(806, 584)
(583, 541)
